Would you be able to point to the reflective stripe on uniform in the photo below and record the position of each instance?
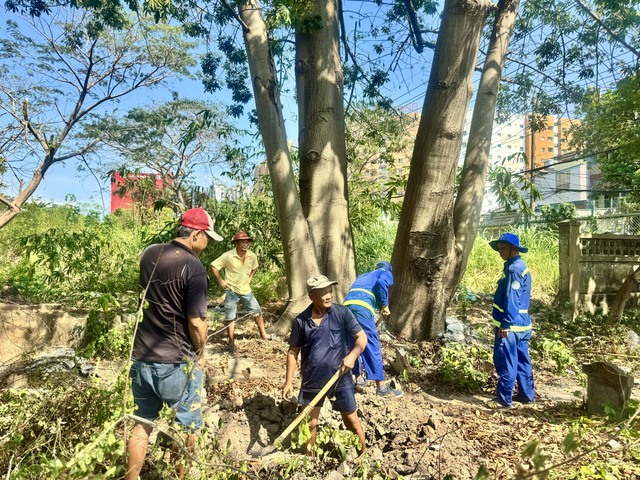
(513, 328)
(526, 270)
(362, 290)
(498, 308)
(360, 303)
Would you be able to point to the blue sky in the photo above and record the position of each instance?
(63, 180)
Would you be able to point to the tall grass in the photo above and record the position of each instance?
(485, 265)
(374, 242)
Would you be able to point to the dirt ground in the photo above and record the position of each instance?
(431, 432)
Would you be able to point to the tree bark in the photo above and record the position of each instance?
(299, 255)
(323, 163)
(629, 286)
(426, 253)
(468, 204)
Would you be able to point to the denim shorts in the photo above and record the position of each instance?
(154, 384)
(231, 301)
(344, 401)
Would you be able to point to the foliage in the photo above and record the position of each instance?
(379, 145)
(178, 140)
(373, 243)
(509, 189)
(106, 337)
(329, 442)
(610, 129)
(461, 366)
(552, 215)
(65, 67)
(572, 54)
(79, 264)
(46, 430)
(557, 352)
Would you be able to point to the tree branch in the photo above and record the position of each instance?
(415, 26)
(613, 35)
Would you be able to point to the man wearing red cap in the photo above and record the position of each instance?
(168, 347)
(240, 265)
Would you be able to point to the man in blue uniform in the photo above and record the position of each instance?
(512, 324)
(368, 294)
(320, 335)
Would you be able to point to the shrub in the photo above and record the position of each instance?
(463, 366)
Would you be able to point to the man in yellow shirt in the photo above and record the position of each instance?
(240, 265)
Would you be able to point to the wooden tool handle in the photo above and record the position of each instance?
(308, 408)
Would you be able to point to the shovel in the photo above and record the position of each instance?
(260, 452)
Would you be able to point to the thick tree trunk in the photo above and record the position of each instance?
(299, 254)
(629, 286)
(426, 253)
(468, 204)
(323, 163)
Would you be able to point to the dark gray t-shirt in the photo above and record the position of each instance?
(178, 287)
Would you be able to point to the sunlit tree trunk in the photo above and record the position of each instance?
(323, 164)
(299, 254)
(629, 286)
(426, 253)
(468, 203)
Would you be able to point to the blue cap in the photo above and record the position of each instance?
(510, 238)
(382, 265)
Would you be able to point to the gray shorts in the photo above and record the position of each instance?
(231, 301)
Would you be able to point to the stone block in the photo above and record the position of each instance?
(607, 384)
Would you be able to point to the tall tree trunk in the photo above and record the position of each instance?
(299, 254)
(426, 253)
(323, 161)
(468, 204)
(629, 286)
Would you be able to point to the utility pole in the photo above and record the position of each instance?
(532, 156)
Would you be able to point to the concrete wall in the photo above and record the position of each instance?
(29, 328)
(593, 267)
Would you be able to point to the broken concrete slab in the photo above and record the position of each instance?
(607, 384)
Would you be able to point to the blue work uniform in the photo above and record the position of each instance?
(511, 312)
(368, 294)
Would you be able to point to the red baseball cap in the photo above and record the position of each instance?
(198, 219)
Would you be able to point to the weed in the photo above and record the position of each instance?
(557, 352)
(460, 366)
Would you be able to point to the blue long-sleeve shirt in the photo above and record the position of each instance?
(512, 297)
(372, 288)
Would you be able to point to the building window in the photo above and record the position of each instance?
(550, 149)
(563, 180)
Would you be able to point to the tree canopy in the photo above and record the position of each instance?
(610, 129)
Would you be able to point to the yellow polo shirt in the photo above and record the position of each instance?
(237, 270)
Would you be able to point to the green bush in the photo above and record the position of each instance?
(463, 366)
(557, 352)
